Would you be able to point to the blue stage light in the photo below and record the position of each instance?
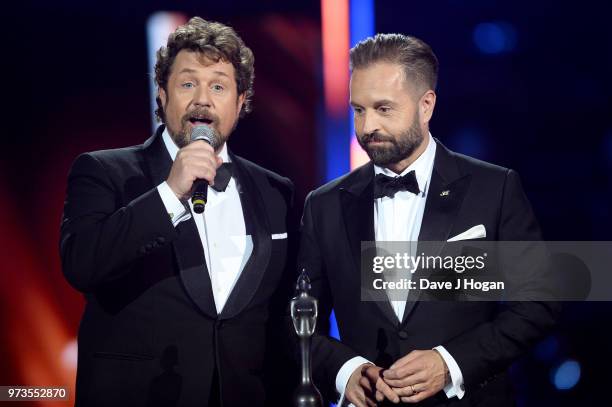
(362, 20)
(333, 326)
(567, 375)
(495, 37)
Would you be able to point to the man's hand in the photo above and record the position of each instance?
(418, 375)
(366, 385)
(196, 160)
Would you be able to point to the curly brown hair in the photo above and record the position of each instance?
(217, 42)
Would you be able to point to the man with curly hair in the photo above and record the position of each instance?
(181, 305)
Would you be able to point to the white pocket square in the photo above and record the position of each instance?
(475, 232)
(276, 236)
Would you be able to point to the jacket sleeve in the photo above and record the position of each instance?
(491, 347)
(99, 236)
(328, 354)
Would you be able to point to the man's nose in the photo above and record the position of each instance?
(370, 123)
(201, 97)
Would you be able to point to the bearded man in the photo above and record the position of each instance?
(403, 350)
(182, 307)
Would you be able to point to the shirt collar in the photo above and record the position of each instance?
(422, 165)
(173, 148)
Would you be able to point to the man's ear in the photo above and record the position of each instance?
(162, 95)
(427, 105)
(241, 98)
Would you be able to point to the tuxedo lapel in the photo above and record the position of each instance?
(251, 183)
(192, 267)
(357, 201)
(188, 249)
(444, 198)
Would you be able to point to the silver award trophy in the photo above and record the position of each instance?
(304, 315)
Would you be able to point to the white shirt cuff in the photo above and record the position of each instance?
(175, 208)
(455, 388)
(344, 374)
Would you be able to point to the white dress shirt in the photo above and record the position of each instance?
(221, 227)
(391, 215)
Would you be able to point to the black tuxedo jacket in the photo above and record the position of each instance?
(482, 338)
(150, 333)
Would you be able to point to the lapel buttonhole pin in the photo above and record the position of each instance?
(445, 193)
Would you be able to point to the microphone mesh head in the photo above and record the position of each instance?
(206, 133)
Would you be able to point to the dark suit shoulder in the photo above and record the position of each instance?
(471, 164)
(118, 161)
(117, 156)
(275, 180)
(483, 173)
(356, 176)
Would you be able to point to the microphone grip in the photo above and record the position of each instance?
(200, 186)
(200, 194)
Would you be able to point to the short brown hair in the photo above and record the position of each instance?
(217, 42)
(414, 55)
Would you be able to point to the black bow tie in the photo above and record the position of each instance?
(224, 174)
(388, 186)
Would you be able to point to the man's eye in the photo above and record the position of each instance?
(357, 110)
(187, 85)
(384, 109)
(217, 88)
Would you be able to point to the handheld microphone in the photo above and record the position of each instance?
(200, 186)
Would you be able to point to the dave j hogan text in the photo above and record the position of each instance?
(426, 284)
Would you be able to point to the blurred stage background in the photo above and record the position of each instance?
(524, 84)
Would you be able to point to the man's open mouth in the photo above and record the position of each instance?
(196, 121)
